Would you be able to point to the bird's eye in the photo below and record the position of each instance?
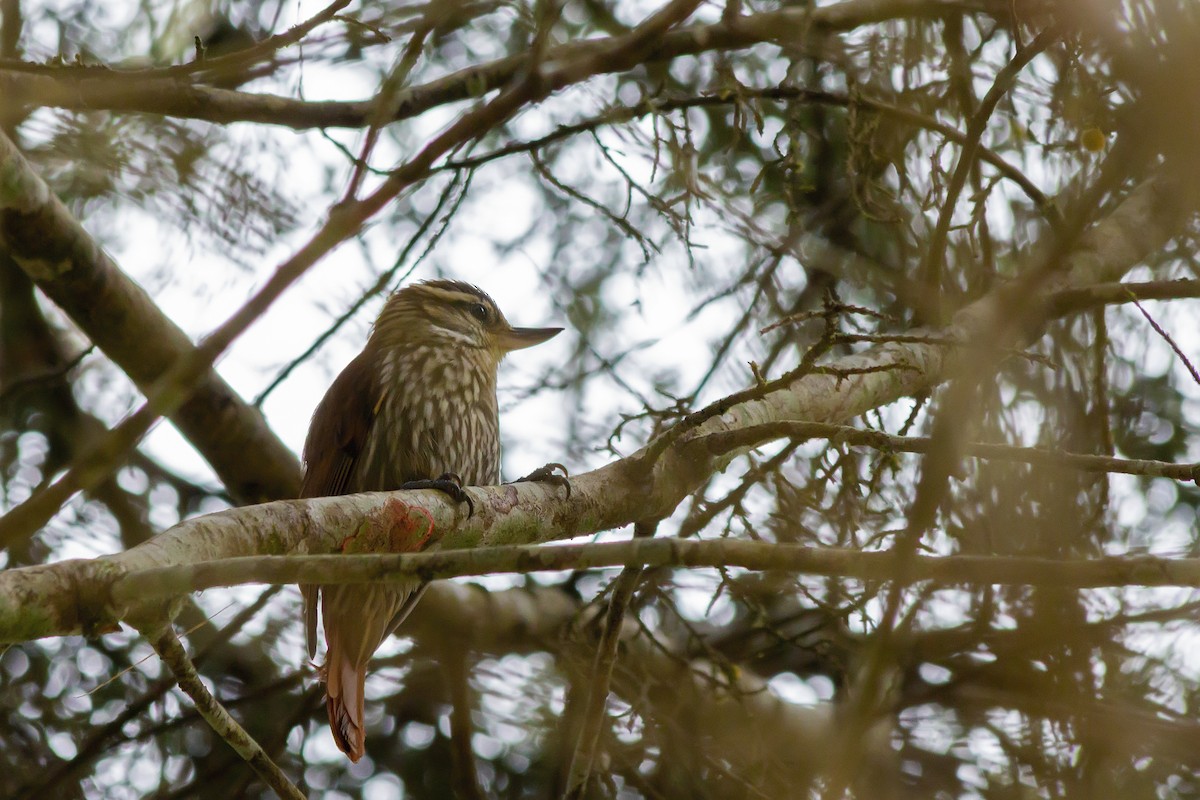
(478, 311)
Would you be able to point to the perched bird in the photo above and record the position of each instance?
(416, 409)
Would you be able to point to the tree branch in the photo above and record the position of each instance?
(162, 92)
(173, 654)
(718, 443)
(1087, 297)
(623, 114)
(583, 756)
(930, 276)
(152, 585)
(73, 270)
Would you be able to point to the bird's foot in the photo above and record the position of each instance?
(449, 484)
(549, 474)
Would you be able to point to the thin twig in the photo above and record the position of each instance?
(622, 223)
(931, 269)
(385, 101)
(382, 281)
(583, 758)
(724, 442)
(807, 365)
(45, 377)
(230, 64)
(174, 655)
(699, 519)
(1170, 342)
(620, 115)
(93, 746)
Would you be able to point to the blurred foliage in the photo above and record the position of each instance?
(694, 202)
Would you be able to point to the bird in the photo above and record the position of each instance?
(417, 408)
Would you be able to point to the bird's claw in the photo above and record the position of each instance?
(449, 484)
(549, 474)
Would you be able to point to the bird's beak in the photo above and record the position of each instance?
(520, 338)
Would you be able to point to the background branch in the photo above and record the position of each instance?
(173, 654)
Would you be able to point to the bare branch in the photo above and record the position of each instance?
(74, 271)
(158, 92)
(931, 269)
(173, 654)
(583, 757)
(1087, 297)
(623, 114)
(153, 584)
(732, 440)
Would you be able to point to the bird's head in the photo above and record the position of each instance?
(451, 315)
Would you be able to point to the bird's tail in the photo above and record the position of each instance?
(357, 620)
(344, 682)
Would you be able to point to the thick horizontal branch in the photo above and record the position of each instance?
(761, 556)
(1113, 293)
(162, 92)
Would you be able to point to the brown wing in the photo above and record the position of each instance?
(336, 436)
(339, 430)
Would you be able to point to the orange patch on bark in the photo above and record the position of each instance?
(395, 528)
